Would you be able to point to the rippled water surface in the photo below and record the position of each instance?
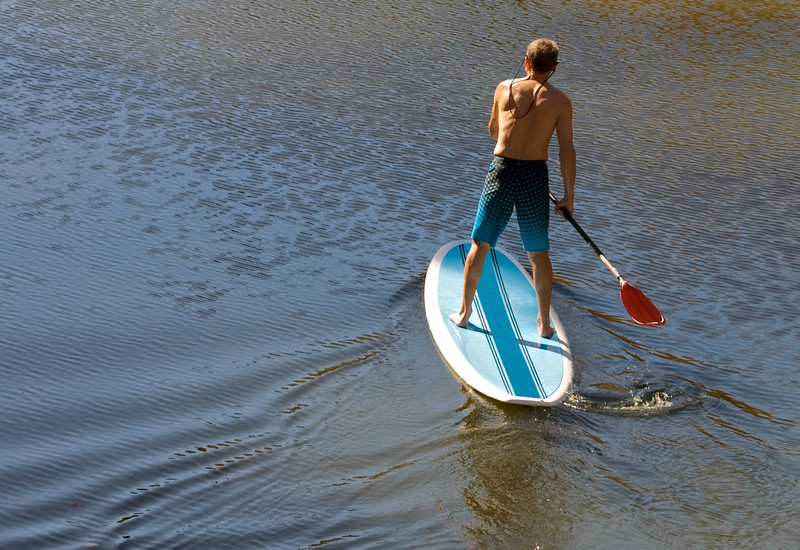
(216, 220)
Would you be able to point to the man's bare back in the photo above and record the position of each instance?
(523, 126)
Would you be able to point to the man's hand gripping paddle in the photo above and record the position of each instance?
(638, 306)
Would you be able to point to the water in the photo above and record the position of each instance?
(216, 220)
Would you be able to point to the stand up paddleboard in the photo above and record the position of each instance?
(500, 353)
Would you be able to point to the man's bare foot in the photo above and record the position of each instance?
(545, 332)
(461, 319)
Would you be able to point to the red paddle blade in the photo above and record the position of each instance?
(638, 306)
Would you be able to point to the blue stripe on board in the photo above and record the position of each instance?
(505, 339)
(513, 318)
(478, 309)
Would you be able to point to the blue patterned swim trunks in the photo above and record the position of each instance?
(520, 184)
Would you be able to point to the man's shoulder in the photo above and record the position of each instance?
(555, 90)
(505, 83)
(557, 94)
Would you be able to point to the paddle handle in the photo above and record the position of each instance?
(588, 239)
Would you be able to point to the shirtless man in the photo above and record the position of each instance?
(524, 116)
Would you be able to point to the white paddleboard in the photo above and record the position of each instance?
(500, 353)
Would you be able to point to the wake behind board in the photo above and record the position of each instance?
(500, 353)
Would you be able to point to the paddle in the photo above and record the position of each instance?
(638, 306)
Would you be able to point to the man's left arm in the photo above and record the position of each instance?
(567, 158)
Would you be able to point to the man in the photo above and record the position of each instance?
(524, 116)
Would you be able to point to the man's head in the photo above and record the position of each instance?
(542, 55)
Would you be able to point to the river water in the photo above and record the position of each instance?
(216, 218)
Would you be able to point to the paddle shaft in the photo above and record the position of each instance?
(588, 239)
(638, 306)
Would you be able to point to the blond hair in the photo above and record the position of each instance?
(543, 55)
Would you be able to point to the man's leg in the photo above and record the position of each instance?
(543, 282)
(473, 267)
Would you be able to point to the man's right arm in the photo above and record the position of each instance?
(494, 119)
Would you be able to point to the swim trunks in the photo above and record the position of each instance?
(520, 184)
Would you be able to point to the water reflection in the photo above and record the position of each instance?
(515, 482)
